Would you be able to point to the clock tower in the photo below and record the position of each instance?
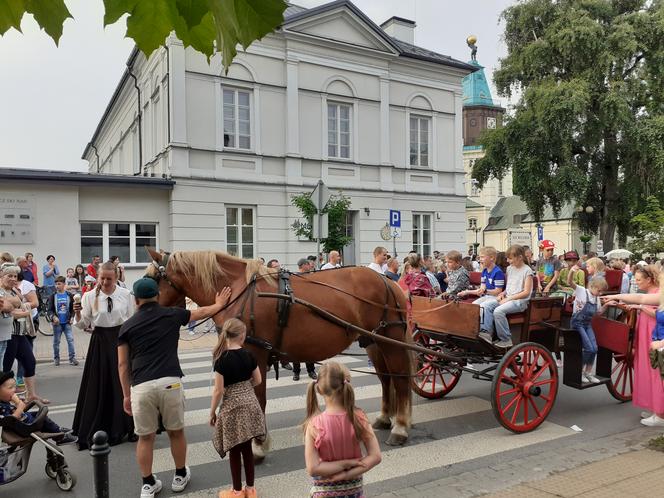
(479, 111)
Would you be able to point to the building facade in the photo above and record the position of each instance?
(329, 96)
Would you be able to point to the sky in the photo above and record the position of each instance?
(51, 98)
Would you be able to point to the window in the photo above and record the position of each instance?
(422, 233)
(135, 152)
(500, 188)
(126, 240)
(338, 130)
(156, 122)
(237, 119)
(419, 140)
(240, 232)
(472, 223)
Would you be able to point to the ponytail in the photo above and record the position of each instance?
(231, 328)
(348, 399)
(312, 405)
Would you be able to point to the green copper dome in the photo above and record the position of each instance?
(476, 88)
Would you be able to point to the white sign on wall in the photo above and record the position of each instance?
(600, 247)
(16, 222)
(520, 237)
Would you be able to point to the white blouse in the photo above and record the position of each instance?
(123, 308)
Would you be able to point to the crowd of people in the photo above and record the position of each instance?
(132, 388)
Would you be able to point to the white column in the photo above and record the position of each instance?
(292, 110)
(384, 120)
(178, 94)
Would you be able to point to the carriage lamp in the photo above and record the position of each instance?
(587, 209)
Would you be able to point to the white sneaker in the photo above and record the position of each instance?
(646, 414)
(584, 378)
(504, 344)
(593, 379)
(559, 363)
(148, 491)
(653, 421)
(486, 336)
(179, 482)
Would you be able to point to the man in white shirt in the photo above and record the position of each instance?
(380, 257)
(333, 261)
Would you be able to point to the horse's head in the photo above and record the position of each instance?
(171, 289)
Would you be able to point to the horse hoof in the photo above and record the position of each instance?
(396, 440)
(382, 423)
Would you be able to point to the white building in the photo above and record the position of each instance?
(330, 95)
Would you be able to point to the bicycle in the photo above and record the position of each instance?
(43, 298)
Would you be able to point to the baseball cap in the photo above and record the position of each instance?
(145, 288)
(90, 278)
(641, 263)
(547, 244)
(302, 261)
(571, 255)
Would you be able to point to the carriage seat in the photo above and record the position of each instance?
(18, 433)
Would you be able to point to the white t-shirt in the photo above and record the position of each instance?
(329, 266)
(581, 297)
(516, 279)
(26, 288)
(376, 267)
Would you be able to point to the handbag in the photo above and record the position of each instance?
(25, 325)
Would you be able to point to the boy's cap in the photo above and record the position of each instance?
(302, 261)
(145, 288)
(571, 255)
(5, 376)
(641, 263)
(547, 244)
(90, 278)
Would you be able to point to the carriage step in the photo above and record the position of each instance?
(587, 385)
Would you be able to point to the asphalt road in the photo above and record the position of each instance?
(452, 435)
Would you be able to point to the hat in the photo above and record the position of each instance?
(302, 261)
(90, 278)
(571, 255)
(547, 244)
(145, 288)
(641, 263)
(5, 376)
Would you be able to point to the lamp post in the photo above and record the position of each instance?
(476, 229)
(585, 238)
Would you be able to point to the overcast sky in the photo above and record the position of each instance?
(51, 98)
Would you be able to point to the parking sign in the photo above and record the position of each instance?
(395, 218)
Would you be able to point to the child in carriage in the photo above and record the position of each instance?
(586, 305)
(12, 406)
(458, 278)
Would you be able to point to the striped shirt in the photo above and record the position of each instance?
(494, 279)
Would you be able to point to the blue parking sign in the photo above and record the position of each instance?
(395, 218)
(540, 233)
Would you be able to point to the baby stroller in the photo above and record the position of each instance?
(16, 440)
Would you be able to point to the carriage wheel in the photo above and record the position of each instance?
(622, 376)
(524, 387)
(432, 379)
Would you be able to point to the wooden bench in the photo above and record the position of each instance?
(453, 318)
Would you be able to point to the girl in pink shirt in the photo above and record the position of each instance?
(333, 438)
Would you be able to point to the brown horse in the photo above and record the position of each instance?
(357, 295)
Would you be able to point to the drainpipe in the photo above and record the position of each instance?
(94, 147)
(140, 127)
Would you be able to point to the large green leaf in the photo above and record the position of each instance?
(150, 23)
(11, 13)
(115, 9)
(50, 15)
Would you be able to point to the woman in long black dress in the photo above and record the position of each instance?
(99, 405)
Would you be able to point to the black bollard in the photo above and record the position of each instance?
(99, 451)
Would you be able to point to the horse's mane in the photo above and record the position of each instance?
(204, 270)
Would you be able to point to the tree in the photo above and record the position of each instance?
(206, 25)
(588, 126)
(336, 209)
(649, 228)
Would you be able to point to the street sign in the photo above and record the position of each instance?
(396, 232)
(600, 247)
(520, 238)
(324, 229)
(395, 218)
(320, 195)
(540, 233)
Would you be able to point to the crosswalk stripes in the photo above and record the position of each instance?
(283, 474)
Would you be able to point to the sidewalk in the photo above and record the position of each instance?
(43, 345)
(638, 474)
(617, 465)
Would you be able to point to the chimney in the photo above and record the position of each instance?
(400, 28)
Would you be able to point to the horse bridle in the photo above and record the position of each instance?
(161, 273)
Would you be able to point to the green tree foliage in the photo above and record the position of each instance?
(588, 126)
(649, 228)
(205, 25)
(336, 209)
